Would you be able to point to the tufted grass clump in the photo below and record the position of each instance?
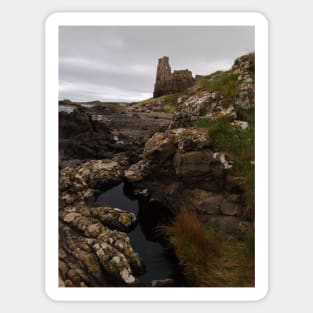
(194, 244)
(208, 258)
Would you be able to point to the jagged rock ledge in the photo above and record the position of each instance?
(94, 248)
(180, 170)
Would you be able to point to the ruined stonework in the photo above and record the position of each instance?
(168, 82)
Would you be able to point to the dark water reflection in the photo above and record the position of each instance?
(158, 261)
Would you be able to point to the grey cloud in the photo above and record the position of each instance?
(119, 63)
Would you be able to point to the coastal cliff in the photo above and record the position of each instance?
(187, 156)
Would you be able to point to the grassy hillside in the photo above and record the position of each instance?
(207, 257)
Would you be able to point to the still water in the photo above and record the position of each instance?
(159, 264)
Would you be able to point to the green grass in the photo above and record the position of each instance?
(208, 258)
(239, 144)
(170, 101)
(225, 82)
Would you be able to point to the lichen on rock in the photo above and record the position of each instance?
(105, 252)
(93, 246)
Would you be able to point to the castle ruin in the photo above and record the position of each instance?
(168, 82)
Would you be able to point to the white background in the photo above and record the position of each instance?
(22, 133)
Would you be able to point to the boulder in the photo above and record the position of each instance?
(100, 173)
(81, 182)
(136, 172)
(193, 164)
(204, 202)
(159, 148)
(231, 205)
(190, 139)
(114, 218)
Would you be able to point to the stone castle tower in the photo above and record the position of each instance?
(168, 82)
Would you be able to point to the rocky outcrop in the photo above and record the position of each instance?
(91, 254)
(114, 218)
(244, 67)
(205, 104)
(94, 249)
(81, 137)
(177, 168)
(81, 182)
(180, 170)
(101, 131)
(221, 94)
(136, 172)
(168, 82)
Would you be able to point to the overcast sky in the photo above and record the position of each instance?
(119, 63)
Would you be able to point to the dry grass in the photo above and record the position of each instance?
(208, 258)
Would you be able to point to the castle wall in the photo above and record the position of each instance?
(168, 82)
